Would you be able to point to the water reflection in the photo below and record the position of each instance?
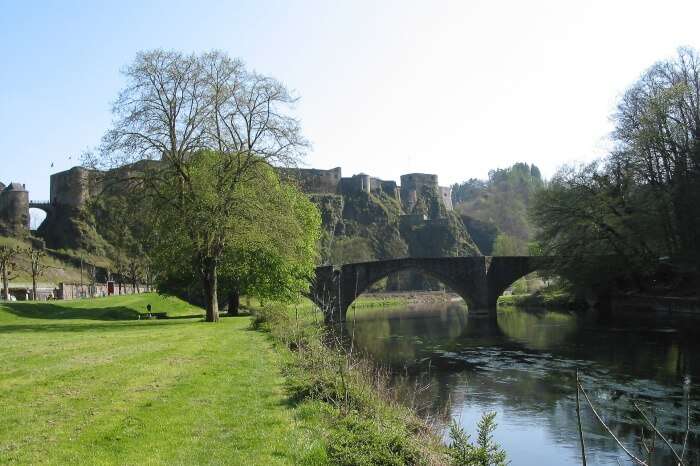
(521, 365)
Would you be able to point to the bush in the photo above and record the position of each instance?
(269, 317)
(359, 441)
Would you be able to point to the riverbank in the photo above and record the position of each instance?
(396, 298)
(557, 299)
(86, 382)
(362, 423)
(544, 298)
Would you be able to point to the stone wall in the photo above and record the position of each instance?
(390, 188)
(446, 196)
(355, 184)
(75, 291)
(73, 188)
(413, 184)
(315, 181)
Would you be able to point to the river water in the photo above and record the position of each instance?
(522, 365)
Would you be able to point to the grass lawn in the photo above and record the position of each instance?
(83, 382)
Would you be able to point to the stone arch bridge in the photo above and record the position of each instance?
(478, 280)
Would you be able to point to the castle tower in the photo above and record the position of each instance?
(14, 210)
(72, 188)
(413, 184)
(360, 183)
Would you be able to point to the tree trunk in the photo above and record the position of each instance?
(234, 301)
(5, 284)
(210, 290)
(33, 286)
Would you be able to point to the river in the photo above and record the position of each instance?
(448, 364)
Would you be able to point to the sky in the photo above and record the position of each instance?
(454, 88)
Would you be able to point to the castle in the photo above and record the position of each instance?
(315, 181)
(71, 189)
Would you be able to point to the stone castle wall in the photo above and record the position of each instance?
(356, 184)
(413, 184)
(70, 190)
(74, 187)
(314, 181)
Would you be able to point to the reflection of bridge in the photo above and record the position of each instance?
(478, 280)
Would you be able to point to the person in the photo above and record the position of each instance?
(148, 308)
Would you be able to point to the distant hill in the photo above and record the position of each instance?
(495, 211)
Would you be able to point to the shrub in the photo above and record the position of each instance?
(484, 453)
(359, 441)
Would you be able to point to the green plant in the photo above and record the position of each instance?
(485, 452)
(359, 441)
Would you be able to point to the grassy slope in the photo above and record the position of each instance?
(78, 386)
(58, 271)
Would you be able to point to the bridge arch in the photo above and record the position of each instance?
(361, 279)
(503, 271)
(34, 206)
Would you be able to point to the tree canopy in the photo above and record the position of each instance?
(213, 130)
(496, 209)
(625, 215)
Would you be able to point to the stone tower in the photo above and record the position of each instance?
(14, 210)
(413, 184)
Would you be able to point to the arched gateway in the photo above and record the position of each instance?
(478, 280)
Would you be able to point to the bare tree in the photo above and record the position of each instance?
(134, 270)
(36, 266)
(121, 271)
(175, 105)
(8, 255)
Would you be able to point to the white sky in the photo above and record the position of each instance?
(387, 87)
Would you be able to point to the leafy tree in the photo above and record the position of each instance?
(658, 146)
(275, 256)
(175, 106)
(502, 201)
(595, 226)
(621, 219)
(260, 234)
(505, 245)
(347, 250)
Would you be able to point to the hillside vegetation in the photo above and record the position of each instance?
(62, 266)
(495, 211)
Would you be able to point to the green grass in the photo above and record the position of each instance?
(348, 396)
(82, 382)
